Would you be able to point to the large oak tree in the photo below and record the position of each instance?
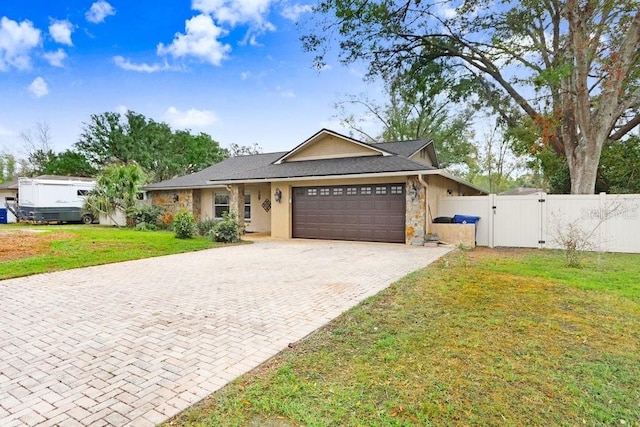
(114, 138)
(571, 66)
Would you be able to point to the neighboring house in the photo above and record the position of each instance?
(329, 187)
(8, 192)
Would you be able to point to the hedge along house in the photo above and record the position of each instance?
(329, 187)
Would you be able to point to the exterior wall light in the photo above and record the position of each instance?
(413, 191)
(277, 195)
(175, 197)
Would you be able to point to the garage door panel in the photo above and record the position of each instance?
(361, 212)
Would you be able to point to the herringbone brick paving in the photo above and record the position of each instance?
(134, 343)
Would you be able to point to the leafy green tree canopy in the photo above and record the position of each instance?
(114, 138)
(571, 66)
(68, 163)
(415, 110)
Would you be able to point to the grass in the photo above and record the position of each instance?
(485, 337)
(56, 248)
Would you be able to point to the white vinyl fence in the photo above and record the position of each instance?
(612, 222)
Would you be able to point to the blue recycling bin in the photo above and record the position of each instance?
(466, 219)
(3, 216)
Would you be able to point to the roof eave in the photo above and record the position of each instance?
(452, 177)
(322, 177)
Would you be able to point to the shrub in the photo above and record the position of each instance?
(226, 230)
(145, 214)
(206, 226)
(184, 225)
(145, 226)
(165, 220)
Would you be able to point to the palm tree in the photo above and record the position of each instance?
(116, 189)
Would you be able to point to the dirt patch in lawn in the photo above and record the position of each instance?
(24, 244)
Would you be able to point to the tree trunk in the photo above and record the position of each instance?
(583, 170)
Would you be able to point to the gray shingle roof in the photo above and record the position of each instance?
(9, 185)
(218, 171)
(260, 166)
(403, 148)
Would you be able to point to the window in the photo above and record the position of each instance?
(352, 191)
(325, 191)
(381, 190)
(83, 192)
(365, 190)
(337, 191)
(396, 189)
(247, 207)
(312, 192)
(220, 204)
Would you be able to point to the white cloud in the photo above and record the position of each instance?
(191, 118)
(61, 31)
(122, 109)
(99, 11)
(125, 64)
(200, 40)
(447, 12)
(55, 58)
(293, 12)
(234, 12)
(39, 87)
(17, 40)
(245, 75)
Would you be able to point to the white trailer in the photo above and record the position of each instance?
(54, 199)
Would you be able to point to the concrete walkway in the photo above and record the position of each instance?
(135, 343)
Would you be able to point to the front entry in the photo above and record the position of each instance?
(370, 213)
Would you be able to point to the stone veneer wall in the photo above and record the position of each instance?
(165, 199)
(236, 201)
(197, 204)
(415, 212)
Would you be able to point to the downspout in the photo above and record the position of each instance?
(426, 203)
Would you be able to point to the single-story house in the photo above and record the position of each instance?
(328, 187)
(8, 193)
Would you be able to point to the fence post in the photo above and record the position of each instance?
(542, 216)
(491, 213)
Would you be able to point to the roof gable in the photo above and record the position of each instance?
(419, 150)
(327, 144)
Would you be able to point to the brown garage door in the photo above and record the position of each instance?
(371, 213)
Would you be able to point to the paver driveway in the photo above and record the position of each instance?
(137, 342)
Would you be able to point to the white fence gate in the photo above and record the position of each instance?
(536, 220)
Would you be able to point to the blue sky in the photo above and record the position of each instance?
(234, 69)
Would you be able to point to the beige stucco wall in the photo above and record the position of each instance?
(281, 212)
(422, 157)
(439, 186)
(260, 218)
(456, 234)
(331, 147)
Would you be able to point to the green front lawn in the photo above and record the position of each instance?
(41, 249)
(487, 337)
